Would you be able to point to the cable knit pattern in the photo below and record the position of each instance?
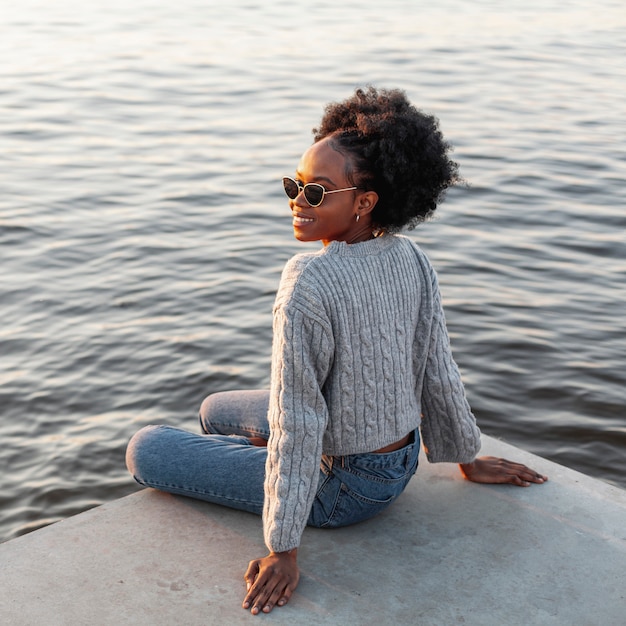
(360, 352)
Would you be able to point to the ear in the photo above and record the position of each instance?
(365, 202)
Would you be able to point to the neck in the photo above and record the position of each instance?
(364, 233)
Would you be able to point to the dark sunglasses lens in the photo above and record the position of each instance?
(314, 193)
(291, 188)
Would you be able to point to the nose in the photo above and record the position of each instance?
(300, 191)
(299, 200)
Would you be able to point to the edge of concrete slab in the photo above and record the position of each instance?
(447, 552)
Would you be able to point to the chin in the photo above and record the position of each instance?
(302, 237)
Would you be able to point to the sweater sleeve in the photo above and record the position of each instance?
(449, 431)
(298, 415)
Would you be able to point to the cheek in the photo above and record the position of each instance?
(346, 217)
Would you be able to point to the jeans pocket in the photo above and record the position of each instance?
(357, 487)
(351, 507)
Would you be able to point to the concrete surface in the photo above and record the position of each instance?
(448, 552)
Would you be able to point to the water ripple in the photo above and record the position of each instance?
(143, 228)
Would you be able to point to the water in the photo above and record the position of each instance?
(143, 226)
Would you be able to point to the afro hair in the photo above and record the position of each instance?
(394, 149)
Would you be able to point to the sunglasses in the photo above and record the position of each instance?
(313, 192)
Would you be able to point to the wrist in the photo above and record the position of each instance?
(293, 553)
(467, 468)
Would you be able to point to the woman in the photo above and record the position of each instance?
(361, 363)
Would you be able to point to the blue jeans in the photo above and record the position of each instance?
(222, 466)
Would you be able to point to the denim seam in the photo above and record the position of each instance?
(159, 485)
(253, 431)
(364, 499)
(378, 479)
(331, 515)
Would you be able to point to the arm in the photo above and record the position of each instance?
(297, 416)
(489, 469)
(448, 428)
(448, 421)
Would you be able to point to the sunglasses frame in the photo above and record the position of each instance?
(302, 189)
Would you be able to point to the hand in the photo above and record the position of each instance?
(271, 581)
(489, 469)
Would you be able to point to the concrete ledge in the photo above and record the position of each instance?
(448, 552)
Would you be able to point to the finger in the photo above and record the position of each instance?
(527, 479)
(254, 600)
(255, 588)
(260, 592)
(254, 595)
(285, 597)
(261, 601)
(525, 473)
(536, 477)
(531, 476)
(251, 573)
(280, 596)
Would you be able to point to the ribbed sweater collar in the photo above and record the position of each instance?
(363, 249)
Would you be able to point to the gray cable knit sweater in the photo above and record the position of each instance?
(360, 352)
